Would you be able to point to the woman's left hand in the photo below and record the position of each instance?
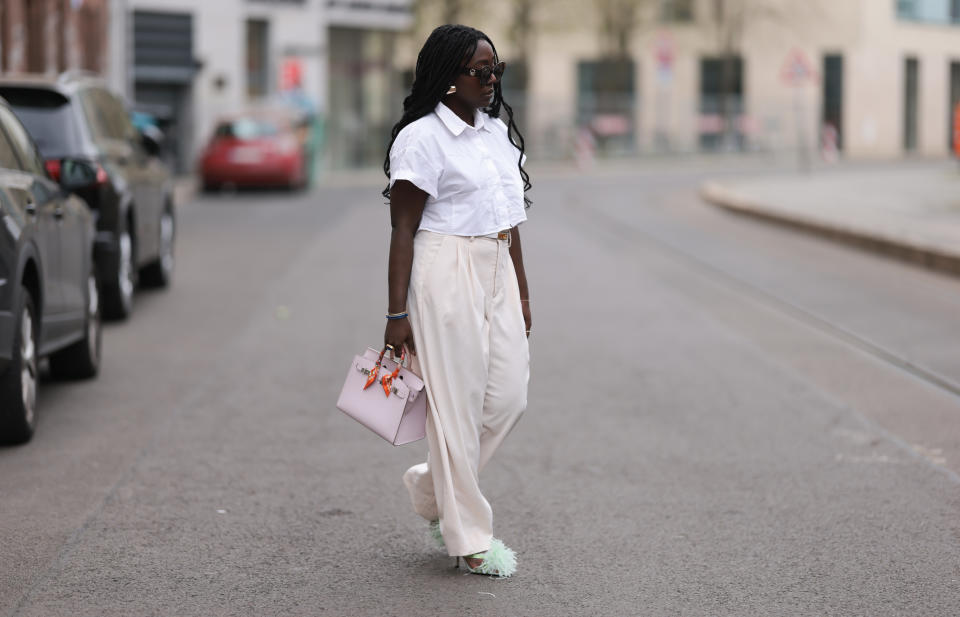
(527, 319)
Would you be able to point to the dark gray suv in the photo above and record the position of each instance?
(75, 116)
(49, 301)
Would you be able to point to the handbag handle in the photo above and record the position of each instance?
(387, 380)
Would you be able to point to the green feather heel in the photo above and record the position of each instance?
(436, 535)
(499, 561)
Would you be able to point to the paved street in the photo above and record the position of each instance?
(726, 418)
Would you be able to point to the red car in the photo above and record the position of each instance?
(255, 150)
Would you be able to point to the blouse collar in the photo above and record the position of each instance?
(455, 124)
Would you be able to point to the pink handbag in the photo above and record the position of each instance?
(385, 397)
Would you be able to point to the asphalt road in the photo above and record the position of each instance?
(726, 418)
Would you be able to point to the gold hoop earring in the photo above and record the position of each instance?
(452, 89)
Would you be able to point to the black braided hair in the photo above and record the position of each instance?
(446, 52)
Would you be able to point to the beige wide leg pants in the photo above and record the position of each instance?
(464, 305)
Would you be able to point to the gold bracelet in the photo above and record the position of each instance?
(524, 299)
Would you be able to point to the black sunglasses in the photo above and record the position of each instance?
(484, 73)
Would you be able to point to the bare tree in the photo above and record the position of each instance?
(522, 27)
(450, 11)
(619, 20)
(732, 21)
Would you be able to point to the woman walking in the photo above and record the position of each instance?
(458, 295)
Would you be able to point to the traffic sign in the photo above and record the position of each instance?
(797, 69)
(664, 51)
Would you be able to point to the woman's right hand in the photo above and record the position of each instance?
(400, 335)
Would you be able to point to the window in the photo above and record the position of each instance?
(606, 96)
(247, 129)
(49, 118)
(21, 142)
(514, 88)
(95, 115)
(907, 9)
(929, 11)
(120, 125)
(910, 101)
(718, 90)
(106, 116)
(8, 160)
(721, 103)
(832, 111)
(257, 60)
(672, 11)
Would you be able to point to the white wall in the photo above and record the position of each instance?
(219, 39)
(872, 41)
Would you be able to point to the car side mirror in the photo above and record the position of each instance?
(152, 140)
(76, 174)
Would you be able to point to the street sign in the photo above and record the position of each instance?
(797, 69)
(664, 53)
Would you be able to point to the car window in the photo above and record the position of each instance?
(122, 118)
(8, 160)
(116, 116)
(21, 142)
(49, 119)
(246, 129)
(98, 116)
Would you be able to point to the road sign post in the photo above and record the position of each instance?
(797, 72)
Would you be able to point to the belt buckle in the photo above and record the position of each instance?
(503, 235)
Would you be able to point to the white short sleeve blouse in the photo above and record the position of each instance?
(469, 172)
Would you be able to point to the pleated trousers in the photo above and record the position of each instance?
(472, 352)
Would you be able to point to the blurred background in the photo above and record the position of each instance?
(859, 79)
(754, 417)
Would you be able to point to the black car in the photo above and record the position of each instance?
(77, 117)
(49, 301)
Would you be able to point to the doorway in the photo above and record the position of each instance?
(953, 102)
(833, 97)
(911, 79)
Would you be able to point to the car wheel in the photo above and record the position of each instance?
(118, 292)
(18, 384)
(160, 272)
(82, 359)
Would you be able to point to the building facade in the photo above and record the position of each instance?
(869, 78)
(188, 63)
(366, 81)
(52, 36)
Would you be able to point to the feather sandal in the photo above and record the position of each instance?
(499, 561)
(436, 534)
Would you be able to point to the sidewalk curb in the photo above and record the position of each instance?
(904, 249)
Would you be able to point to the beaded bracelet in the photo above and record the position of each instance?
(392, 316)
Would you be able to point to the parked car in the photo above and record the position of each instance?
(264, 148)
(49, 300)
(75, 116)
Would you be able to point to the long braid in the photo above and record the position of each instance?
(438, 64)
